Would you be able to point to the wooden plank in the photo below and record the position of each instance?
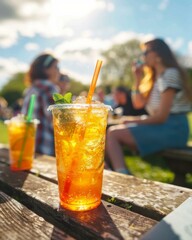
(4, 155)
(185, 154)
(18, 222)
(149, 198)
(105, 222)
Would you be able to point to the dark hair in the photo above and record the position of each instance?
(64, 78)
(162, 49)
(38, 66)
(169, 60)
(123, 89)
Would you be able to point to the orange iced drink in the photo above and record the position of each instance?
(79, 131)
(21, 142)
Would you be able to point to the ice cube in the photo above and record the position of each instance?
(18, 118)
(80, 99)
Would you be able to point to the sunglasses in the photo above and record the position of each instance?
(147, 51)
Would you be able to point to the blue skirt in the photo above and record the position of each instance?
(151, 138)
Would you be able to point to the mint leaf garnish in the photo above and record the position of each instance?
(60, 99)
(57, 97)
(68, 97)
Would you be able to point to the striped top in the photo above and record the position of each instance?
(169, 79)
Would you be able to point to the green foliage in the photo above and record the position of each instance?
(14, 88)
(77, 87)
(112, 200)
(189, 72)
(118, 62)
(11, 96)
(115, 201)
(152, 167)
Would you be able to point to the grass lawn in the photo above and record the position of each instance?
(152, 167)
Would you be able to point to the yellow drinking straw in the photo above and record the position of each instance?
(94, 81)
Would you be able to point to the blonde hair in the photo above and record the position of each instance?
(147, 82)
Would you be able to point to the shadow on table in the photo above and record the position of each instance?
(10, 181)
(93, 224)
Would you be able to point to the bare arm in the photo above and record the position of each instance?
(138, 100)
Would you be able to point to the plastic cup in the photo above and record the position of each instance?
(79, 132)
(21, 143)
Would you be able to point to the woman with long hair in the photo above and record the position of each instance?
(161, 86)
(43, 76)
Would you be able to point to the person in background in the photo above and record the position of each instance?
(163, 90)
(3, 108)
(43, 75)
(17, 106)
(64, 83)
(104, 96)
(122, 98)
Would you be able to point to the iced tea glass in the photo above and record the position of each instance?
(21, 143)
(79, 131)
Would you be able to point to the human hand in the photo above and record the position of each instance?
(137, 69)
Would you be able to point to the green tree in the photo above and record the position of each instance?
(14, 88)
(77, 87)
(118, 61)
(189, 71)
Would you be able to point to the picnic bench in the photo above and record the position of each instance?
(29, 205)
(178, 160)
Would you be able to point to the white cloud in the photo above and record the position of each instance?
(176, 43)
(30, 10)
(31, 46)
(163, 5)
(190, 48)
(7, 37)
(123, 37)
(84, 51)
(82, 77)
(90, 46)
(74, 9)
(48, 18)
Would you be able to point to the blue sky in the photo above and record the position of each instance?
(76, 31)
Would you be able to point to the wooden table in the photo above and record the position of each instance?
(130, 206)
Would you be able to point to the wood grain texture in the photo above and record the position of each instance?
(185, 154)
(154, 199)
(18, 222)
(149, 198)
(105, 222)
